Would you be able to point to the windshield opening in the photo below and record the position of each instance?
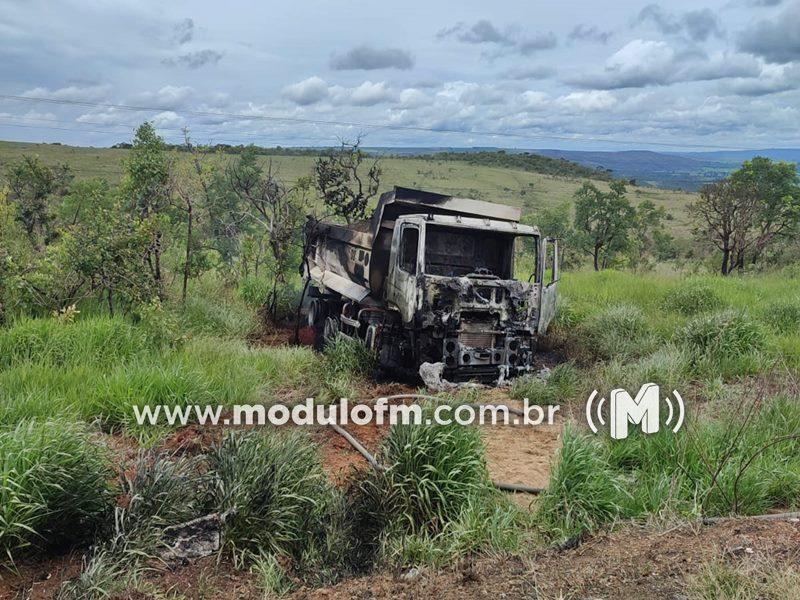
(454, 252)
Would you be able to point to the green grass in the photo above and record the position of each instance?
(434, 503)
(86, 371)
(276, 489)
(54, 487)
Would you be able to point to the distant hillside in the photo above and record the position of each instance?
(523, 161)
(684, 170)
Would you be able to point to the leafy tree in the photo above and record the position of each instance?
(602, 221)
(33, 185)
(277, 209)
(723, 215)
(649, 239)
(343, 186)
(105, 250)
(749, 211)
(774, 188)
(147, 189)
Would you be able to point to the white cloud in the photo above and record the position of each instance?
(588, 101)
(308, 91)
(88, 93)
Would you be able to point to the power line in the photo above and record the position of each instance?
(341, 123)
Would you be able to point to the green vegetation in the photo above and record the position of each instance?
(525, 161)
(433, 503)
(53, 487)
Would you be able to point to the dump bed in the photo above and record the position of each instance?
(353, 260)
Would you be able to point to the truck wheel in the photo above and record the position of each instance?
(330, 330)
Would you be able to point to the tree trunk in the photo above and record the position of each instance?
(726, 254)
(188, 259)
(110, 302)
(596, 257)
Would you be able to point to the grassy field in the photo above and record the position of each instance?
(517, 188)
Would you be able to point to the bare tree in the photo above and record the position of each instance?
(344, 187)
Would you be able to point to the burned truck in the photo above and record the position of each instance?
(430, 278)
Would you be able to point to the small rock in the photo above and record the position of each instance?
(739, 550)
(543, 373)
(411, 574)
(193, 539)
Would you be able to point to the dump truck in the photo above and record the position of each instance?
(429, 278)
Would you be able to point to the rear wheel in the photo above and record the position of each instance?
(330, 330)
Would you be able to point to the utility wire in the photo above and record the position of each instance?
(341, 123)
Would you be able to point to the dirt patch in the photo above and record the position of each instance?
(521, 454)
(632, 563)
(339, 458)
(191, 440)
(39, 579)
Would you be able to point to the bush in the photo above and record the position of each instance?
(691, 298)
(620, 331)
(584, 491)
(782, 316)
(277, 489)
(53, 486)
(721, 336)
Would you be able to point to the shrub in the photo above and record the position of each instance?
(584, 492)
(690, 298)
(562, 384)
(277, 489)
(616, 332)
(782, 316)
(53, 486)
(721, 335)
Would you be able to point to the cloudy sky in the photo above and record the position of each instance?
(575, 74)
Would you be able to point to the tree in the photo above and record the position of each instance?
(775, 191)
(724, 214)
(602, 221)
(277, 208)
(147, 188)
(344, 188)
(649, 239)
(32, 186)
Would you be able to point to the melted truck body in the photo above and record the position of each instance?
(430, 278)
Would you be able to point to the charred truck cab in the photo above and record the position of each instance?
(430, 278)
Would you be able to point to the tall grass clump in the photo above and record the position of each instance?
(433, 502)
(563, 383)
(620, 331)
(726, 343)
(782, 316)
(346, 364)
(54, 487)
(689, 298)
(159, 490)
(276, 491)
(95, 340)
(584, 491)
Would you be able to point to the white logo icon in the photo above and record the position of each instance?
(644, 410)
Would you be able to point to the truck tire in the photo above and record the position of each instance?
(331, 329)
